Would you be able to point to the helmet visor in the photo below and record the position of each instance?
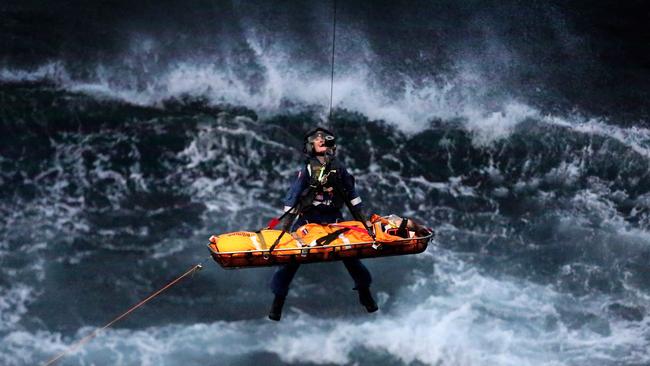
(329, 139)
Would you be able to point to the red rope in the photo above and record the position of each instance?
(96, 331)
(357, 229)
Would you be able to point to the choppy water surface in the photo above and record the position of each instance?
(118, 165)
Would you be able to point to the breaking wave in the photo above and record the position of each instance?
(116, 168)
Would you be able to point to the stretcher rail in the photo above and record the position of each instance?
(324, 253)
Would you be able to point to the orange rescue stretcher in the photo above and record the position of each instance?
(320, 243)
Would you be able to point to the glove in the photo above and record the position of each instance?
(358, 214)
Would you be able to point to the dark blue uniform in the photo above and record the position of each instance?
(325, 208)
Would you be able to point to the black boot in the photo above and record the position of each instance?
(276, 308)
(365, 298)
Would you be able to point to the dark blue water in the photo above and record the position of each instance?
(515, 131)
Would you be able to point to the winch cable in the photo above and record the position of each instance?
(93, 334)
(333, 49)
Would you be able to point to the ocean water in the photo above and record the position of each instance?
(518, 132)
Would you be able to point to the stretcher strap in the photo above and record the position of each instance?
(281, 244)
(327, 239)
(260, 236)
(354, 228)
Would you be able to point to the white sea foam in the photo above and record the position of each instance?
(51, 71)
(13, 304)
(636, 138)
(283, 86)
(276, 82)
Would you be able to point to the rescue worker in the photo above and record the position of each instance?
(328, 185)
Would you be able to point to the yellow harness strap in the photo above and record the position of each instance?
(262, 241)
